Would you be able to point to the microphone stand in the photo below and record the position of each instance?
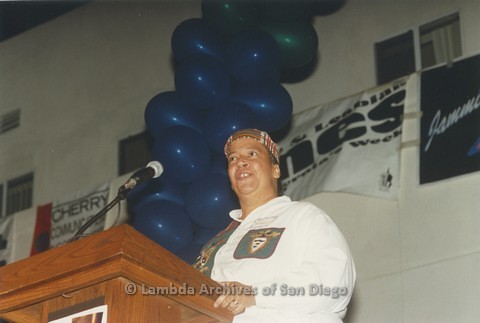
(121, 195)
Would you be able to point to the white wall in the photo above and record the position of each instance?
(83, 81)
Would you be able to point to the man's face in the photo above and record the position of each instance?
(250, 168)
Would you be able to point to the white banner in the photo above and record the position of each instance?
(350, 145)
(69, 214)
(6, 240)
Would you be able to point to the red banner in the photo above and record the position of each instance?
(43, 224)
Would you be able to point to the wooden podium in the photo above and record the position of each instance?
(137, 279)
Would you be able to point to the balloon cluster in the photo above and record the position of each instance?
(228, 66)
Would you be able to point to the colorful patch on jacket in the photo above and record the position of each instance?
(204, 262)
(259, 243)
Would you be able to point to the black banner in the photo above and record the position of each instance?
(450, 124)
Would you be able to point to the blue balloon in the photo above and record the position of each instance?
(165, 223)
(202, 236)
(298, 41)
(327, 7)
(203, 80)
(195, 36)
(269, 101)
(190, 253)
(168, 109)
(219, 165)
(229, 17)
(209, 200)
(221, 122)
(288, 10)
(183, 152)
(156, 189)
(253, 56)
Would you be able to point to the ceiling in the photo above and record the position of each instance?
(19, 16)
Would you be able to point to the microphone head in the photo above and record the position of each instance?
(157, 168)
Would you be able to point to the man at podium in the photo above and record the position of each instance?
(279, 260)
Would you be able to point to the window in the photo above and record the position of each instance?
(395, 57)
(440, 41)
(9, 121)
(19, 194)
(430, 44)
(2, 211)
(135, 152)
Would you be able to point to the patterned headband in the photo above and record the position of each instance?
(258, 135)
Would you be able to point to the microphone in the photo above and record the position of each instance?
(152, 170)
